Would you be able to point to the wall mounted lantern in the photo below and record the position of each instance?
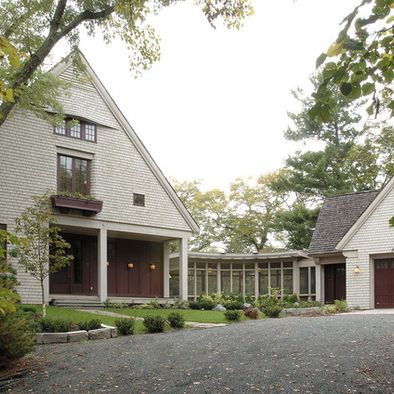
(130, 265)
(152, 267)
(357, 269)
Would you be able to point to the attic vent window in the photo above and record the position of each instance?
(139, 200)
(78, 129)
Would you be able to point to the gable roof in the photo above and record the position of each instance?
(337, 215)
(366, 214)
(67, 62)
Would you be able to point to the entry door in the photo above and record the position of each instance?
(80, 276)
(334, 282)
(384, 283)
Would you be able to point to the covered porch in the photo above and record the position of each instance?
(116, 263)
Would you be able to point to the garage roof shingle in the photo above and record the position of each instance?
(337, 216)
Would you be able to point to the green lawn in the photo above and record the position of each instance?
(189, 315)
(76, 316)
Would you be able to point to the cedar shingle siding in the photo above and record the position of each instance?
(337, 216)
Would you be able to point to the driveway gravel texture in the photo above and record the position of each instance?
(334, 354)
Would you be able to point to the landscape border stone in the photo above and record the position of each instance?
(106, 332)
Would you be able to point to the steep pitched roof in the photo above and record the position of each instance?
(337, 215)
(67, 62)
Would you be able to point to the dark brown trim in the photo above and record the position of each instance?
(137, 197)
(73, 179)
(82, 136)
(85, 205)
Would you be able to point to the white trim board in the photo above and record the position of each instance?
(366, 214)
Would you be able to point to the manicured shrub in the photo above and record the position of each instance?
(194, 305)
(251, 313)
(233, 315)
(154, 323)
(93, 324)
(206, 302)
(341, 305)
(55, 325)
(16, 337)
(176, 320)
(272, 310)
(233, 304)
(125, 326)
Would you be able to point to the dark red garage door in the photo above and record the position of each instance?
(384, 283)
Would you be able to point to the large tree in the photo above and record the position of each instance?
(353, 155)
(242, 220)
(30, 29)
(360, 63)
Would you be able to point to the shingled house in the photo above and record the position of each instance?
(351, 257)
(353, 248)
(120, 238)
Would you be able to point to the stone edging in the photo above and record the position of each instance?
(302, 311)
(105, 332)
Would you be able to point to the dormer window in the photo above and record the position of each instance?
(78, 129)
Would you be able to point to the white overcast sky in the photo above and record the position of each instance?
(214, 108)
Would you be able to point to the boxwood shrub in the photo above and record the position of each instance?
(176, 320)
(93, 324)
(48, 324)
(233, 315)
(272, 310)
(125, 326)
(154, 324)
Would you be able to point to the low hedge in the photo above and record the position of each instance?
(176, 320)
(154, 324)
(125, 326)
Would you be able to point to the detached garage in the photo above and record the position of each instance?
(353, 247)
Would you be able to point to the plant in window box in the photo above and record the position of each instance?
(65, 201)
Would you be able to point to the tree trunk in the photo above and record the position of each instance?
(44, 310)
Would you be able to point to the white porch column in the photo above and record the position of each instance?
(319, 285)
(166, 269)
(183, 266)
(296, 277)
(256, 281)
(102, 264)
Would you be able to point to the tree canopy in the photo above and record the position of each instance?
(360, 63)
(30, 29)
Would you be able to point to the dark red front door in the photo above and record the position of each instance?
(80, 277)
(334, 282)
(384, 283)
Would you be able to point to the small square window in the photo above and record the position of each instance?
(90, 132)
(139, 200)
(61, 129)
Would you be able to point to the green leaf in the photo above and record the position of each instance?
(329, 70)
(368, 88)
(346, 88)
(321, 59)
(9, 95)
(335, 49)
(392, 222)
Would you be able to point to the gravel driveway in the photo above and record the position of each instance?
(340, 354)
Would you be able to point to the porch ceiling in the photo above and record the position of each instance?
(136, 236)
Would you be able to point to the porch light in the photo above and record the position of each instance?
(130, 265)
(357, 269)
(107, 263)
(152, 267)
